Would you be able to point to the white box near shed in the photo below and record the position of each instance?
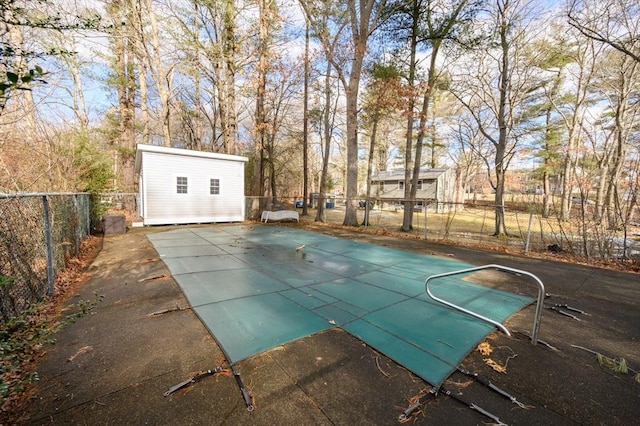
(179, 186)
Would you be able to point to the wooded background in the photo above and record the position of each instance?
(321, 94)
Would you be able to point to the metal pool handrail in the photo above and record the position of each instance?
(539, 303)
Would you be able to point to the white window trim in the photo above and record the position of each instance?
(219, 194)
(175, 183)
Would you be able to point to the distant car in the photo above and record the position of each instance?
(298, 204)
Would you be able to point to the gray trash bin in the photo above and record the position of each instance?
(113, 224)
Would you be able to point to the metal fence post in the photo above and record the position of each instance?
(77, 223)
(426, 207)
(528, 239)
(48, 244)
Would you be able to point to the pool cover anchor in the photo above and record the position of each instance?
(540, 341)
(473, 406)
(556, 308)
(493, 387)
(404, 417)
(195, 379)
(569, 308)
(413, 407)
(246, 395)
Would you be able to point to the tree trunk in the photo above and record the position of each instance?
(431, 81)
(161, 73)
(351, 211)
(407, 217)
(259, 125)
(372, 150)
(229, 48)
(305, 125)
(500, 166)
(621, 132)
(124, 53)
(327, 126)
(500, 226)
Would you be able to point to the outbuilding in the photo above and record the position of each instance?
(436, 187)
(178, 186)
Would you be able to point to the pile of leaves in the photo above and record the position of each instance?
(23, 339)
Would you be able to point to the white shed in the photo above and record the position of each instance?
(178, 186)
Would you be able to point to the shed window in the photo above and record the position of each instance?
(181, 185)
(401, 185)
(419, 185)
(214, 186)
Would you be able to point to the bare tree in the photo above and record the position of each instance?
(325, 124)
(211, 53)
(161, 69)
(123, 78)
(305, 122)
(495, 92)
(345, 45)
(266, 20)
(469, 148)
(612, 22)
(619, 84)
(430, 24)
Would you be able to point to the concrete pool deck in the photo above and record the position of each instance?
(115, 366)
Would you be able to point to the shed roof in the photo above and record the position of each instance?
(140, 148)
(399, 174)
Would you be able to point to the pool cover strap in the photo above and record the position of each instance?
(246, 395)
(472, 406)
(195, 378)
(413, 407)
(491, 386)
(404, 417)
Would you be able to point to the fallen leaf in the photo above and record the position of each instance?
(497, 367)
(484, 348)
(82, 350)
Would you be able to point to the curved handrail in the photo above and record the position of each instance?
(539, 303)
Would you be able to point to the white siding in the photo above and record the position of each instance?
(163, 205)
(141, 198)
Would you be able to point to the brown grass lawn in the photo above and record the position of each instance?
(476, 225)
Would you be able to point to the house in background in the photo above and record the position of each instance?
(178, 186)
(434, 185)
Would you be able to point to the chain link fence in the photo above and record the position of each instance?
(38, 234)
(473, 224)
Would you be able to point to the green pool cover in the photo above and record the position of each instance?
(257, 287)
